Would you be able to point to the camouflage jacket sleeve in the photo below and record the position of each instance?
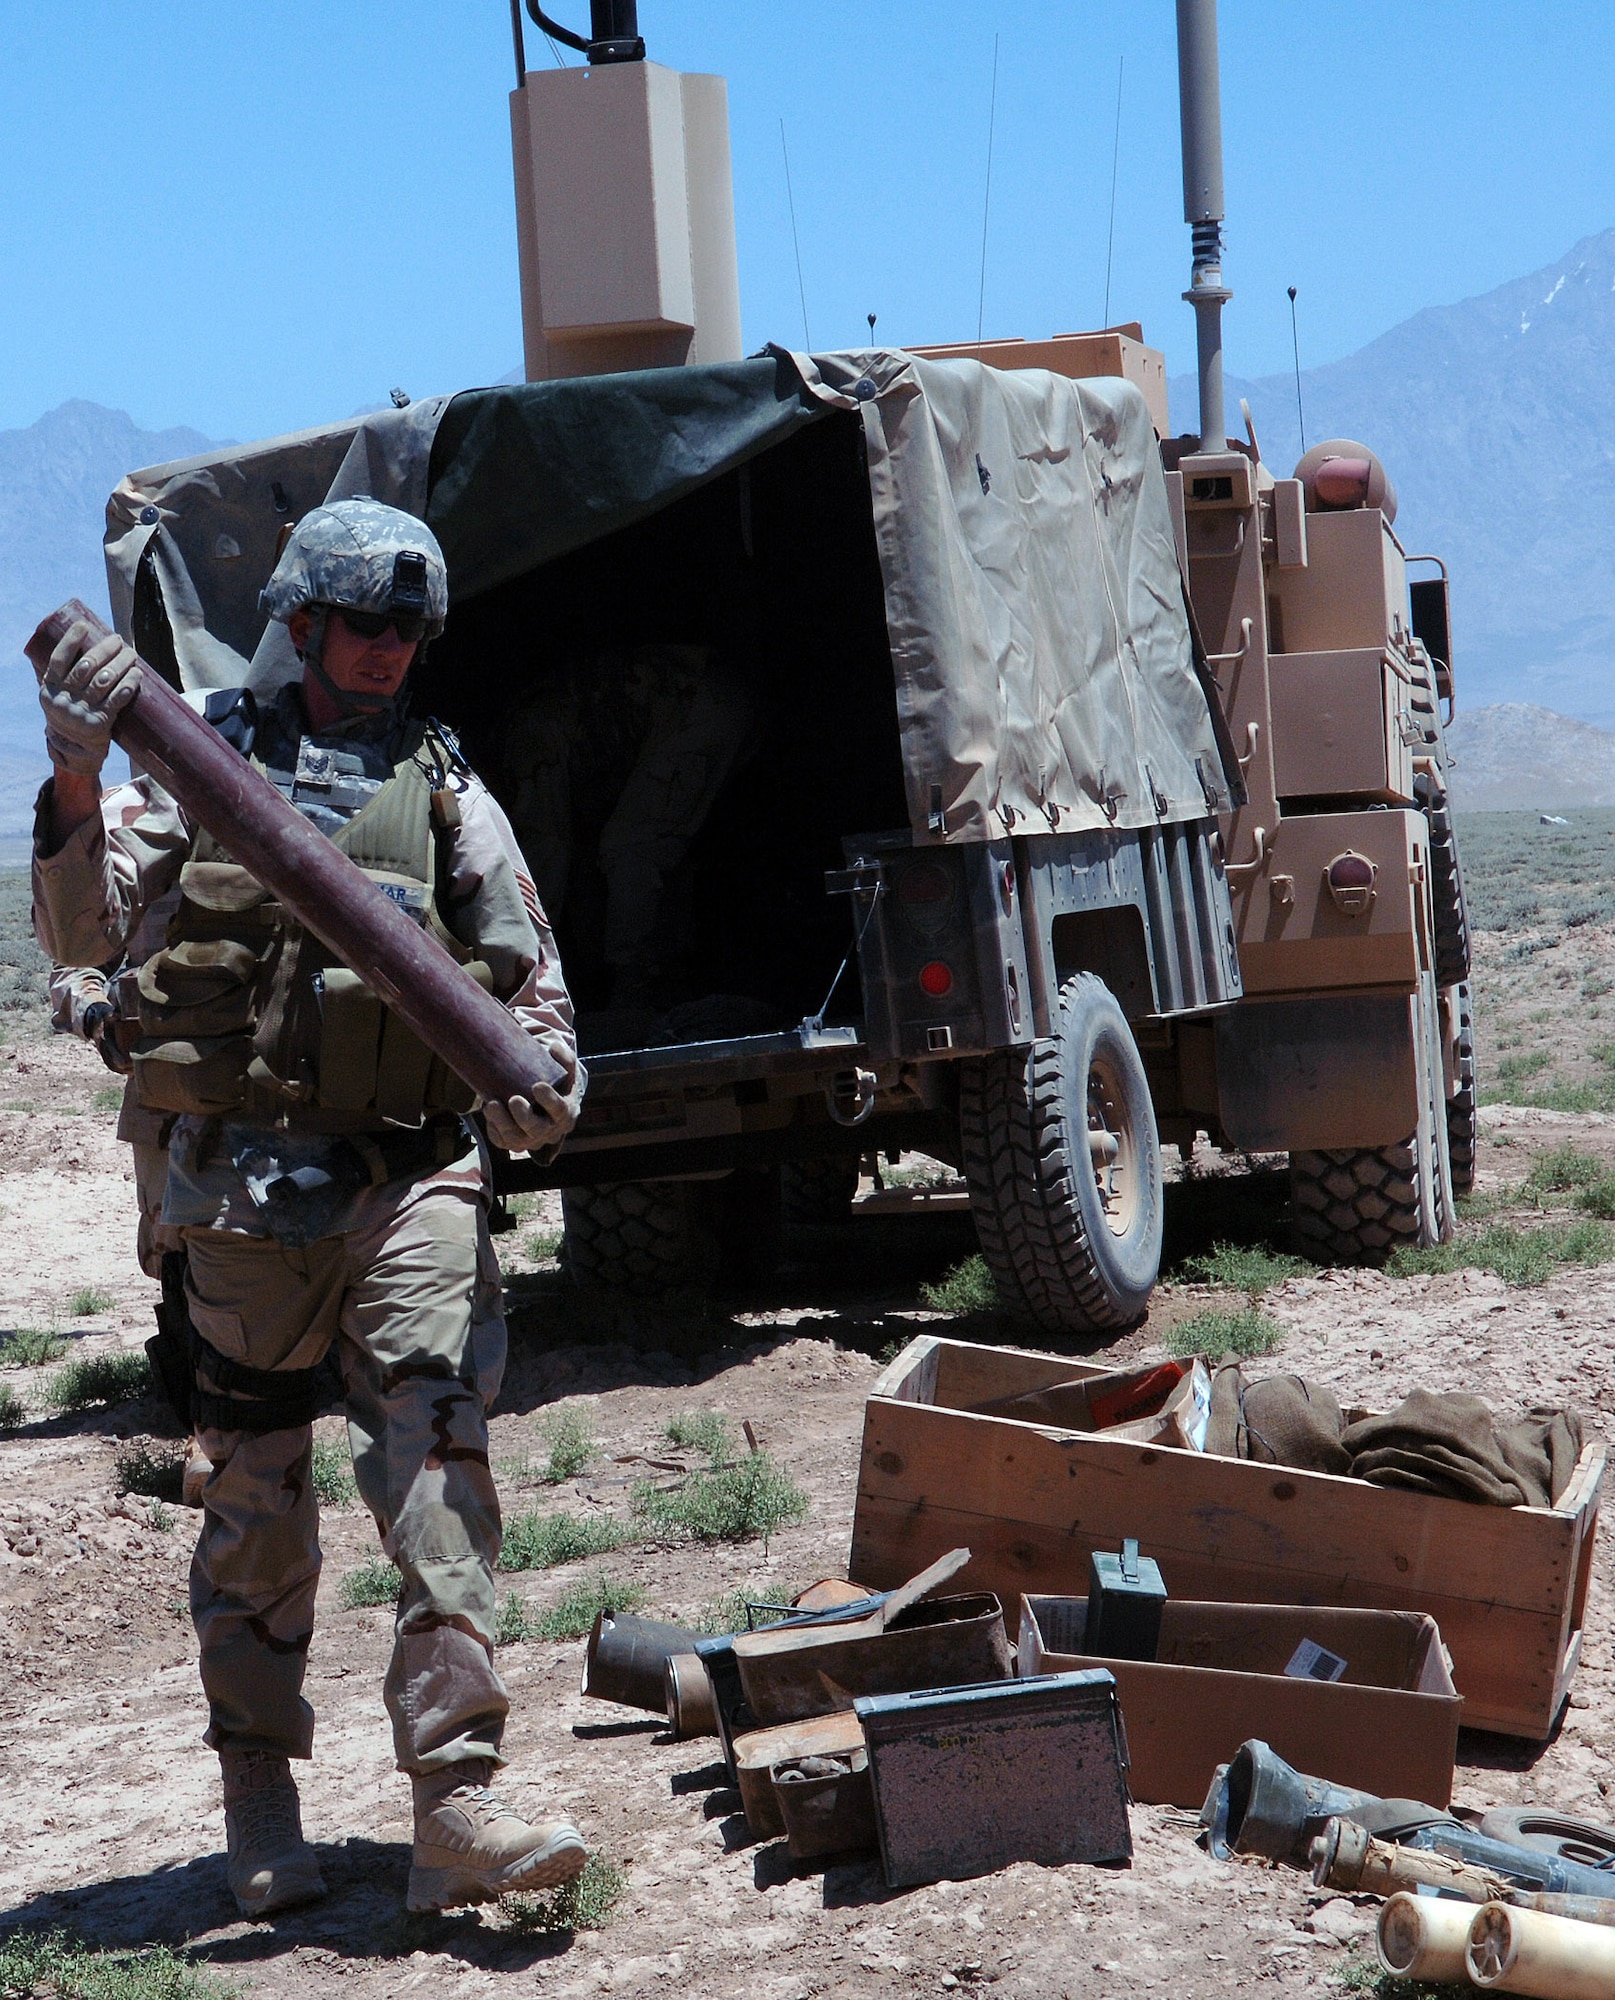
(90, 895)
(72, 989)
(493, 909)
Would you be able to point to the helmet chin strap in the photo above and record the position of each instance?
(349, 705)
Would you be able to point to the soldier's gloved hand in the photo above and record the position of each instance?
(519, 1126)
(100, 1027)
(82, 693)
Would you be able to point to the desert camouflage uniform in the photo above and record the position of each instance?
(401, 1278)
(74, 989)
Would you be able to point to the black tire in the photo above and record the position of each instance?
(1463, 1105)
(1355, 1207)
(651, 1237)
(1450, 917)
(816, 1194)
(1073, 1246)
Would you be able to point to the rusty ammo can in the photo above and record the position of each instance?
(967, 1780)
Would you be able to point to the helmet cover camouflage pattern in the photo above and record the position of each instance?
(347, 554)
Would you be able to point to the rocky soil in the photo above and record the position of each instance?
(112, 1826)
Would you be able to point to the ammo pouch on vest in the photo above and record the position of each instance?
(245, 1013)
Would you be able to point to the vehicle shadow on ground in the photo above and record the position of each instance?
(361, 1917)
(857, 1284)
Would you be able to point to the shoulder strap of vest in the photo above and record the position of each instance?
(233, 712)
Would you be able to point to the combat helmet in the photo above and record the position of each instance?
(359, 555)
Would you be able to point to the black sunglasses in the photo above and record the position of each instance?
(409, 626)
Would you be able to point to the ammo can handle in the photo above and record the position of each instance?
(478, 1038)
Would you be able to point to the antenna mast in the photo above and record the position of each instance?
(1200, 111)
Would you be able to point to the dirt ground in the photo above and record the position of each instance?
(113, 1827)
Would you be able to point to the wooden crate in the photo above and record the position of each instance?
(1507, 1586)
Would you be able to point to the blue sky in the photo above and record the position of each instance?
(249, 218)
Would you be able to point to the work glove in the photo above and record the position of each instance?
(522, 1125)
(101, 1028)
(82, 692)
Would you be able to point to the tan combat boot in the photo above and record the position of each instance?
(470, 1849)
(271, 1866)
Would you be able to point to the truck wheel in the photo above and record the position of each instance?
(1355, 1207)
(1450, 918)
(649, 1237)
(815, 1194)
(1463, 1105)
(1358, 1206)
(1063, 1163)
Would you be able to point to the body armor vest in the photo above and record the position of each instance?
(245, 1014)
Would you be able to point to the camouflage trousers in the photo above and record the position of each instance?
(152, 1235)
(411, 1299)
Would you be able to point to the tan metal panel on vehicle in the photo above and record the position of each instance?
(1337, 727)
(1294, 938)
(1353, 590)
(1118, 350)
(1290, 523)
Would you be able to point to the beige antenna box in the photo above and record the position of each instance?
(624, 207)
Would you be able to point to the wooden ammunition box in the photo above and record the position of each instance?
(1507, 1586)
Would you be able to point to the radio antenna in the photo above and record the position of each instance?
(801, 289)
(987, 198)
(1115, 159)
(1295, 349)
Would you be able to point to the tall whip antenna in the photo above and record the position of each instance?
(987, 198)
(801, 289)
(1115, 159)
(1295, 348)
(1200, 110)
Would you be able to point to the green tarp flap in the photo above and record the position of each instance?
(522, 475)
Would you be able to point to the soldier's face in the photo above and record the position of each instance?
(357, 664)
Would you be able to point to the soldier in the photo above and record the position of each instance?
(328, 1188)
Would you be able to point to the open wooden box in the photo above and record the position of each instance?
(1507, 1586)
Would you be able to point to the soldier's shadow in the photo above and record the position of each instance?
(362, 1916)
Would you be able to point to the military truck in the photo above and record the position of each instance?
(916, 751)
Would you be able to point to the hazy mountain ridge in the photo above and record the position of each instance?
(55, 476)
(1514, 757)
(1496, 420)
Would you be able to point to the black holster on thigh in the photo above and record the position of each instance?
(209, 1391)
(169, 1349)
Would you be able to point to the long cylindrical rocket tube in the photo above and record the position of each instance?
(1345, 1856)
(485, 1046)
(1549, 1958)
(1425, 1937)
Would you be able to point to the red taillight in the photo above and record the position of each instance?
(936, 979)
(1351, 871)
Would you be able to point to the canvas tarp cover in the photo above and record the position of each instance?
(1039, 642)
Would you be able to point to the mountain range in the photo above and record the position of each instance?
(55, 476)
(1495, 418)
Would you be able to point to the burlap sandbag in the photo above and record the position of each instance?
(1281, 1420)
(1452, 1446)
